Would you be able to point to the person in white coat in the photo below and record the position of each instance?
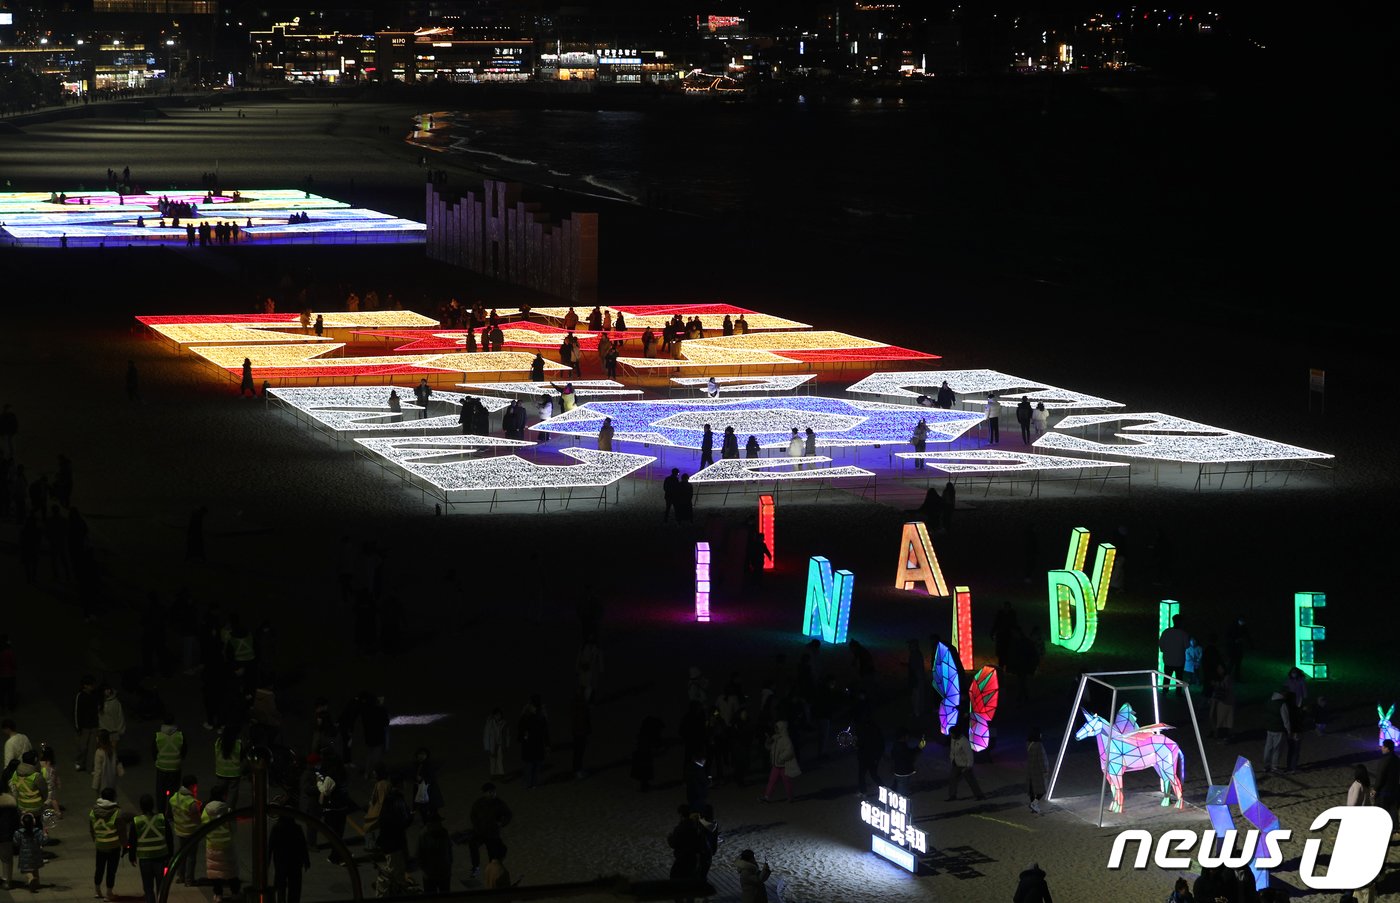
(796, 446)
(1040, 420)
(782, 759)
(752, 877)
(110, 716)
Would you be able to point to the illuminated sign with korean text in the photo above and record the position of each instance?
(895, 837)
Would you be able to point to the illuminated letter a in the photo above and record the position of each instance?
(918, 562)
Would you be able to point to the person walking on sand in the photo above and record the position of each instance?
(105, 829)
(290, 859)
(1031, 888)
(220, 851)
(752, 877)
(106, 767)
(148, 847)
(960, 755)
(1037, 767)
(29, 843)
(782, 759)
(247, 386)
(671, 489)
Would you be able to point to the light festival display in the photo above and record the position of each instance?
(982, 700)
(918, 562)
(947, 681)
(828, 609)
(1162, 437)
(962, 626)
(1166, 610)
(895, 837)
(583, 388)
(736, 384)
(808, 348)
(772, 470)
(514, 334)
(702, 581)
(655, 316)
(307, 361)
(1124, 746)
(1075, 598)
(836, 421)
(345, 409)
(977, 383)
(453, 464)
(95, 217)
(1308, 633)
(1242, 792)
(767, 510)
(982, 696)
(248, 329)
(989, 461)
(1388, 731)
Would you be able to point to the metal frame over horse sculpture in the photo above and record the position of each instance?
(1124, 745)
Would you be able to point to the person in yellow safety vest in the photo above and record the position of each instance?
(228, 764)
(168, 750)
(104, 825)
(29, 787)
(238, 642)
(148, 846)
(185, 810)
(220, 852)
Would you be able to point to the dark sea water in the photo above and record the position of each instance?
(858, 170)
(1056, 182)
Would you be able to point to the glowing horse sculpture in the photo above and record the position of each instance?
(1126, 747)
(1387, 731)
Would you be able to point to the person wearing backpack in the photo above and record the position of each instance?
(29, 846)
